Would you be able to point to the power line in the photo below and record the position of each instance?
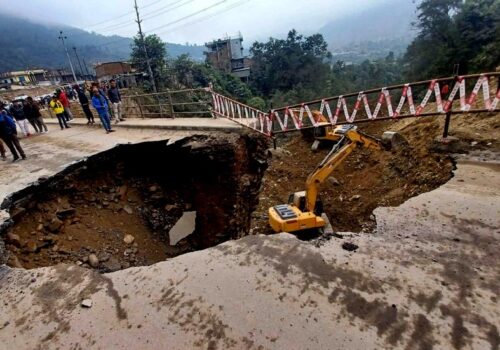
(121, 16)
(237, 4)
(183, 18)
(153, 14)
(167, 8)
(188, 16)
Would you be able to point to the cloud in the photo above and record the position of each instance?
(255, 19)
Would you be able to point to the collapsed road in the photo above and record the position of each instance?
(426, 276)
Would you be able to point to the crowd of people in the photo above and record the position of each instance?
(106, 100)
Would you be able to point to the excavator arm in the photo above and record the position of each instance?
(349, 138)
(302, 213)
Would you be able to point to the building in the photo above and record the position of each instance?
(227, 55)
(122, 72)
(25, 77)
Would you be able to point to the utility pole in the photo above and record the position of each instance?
(86, 67)
(78, 59)
(141, 35)
(62, 37)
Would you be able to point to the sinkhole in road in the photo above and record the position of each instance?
(138, 204)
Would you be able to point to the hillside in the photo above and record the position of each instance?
(26, 44)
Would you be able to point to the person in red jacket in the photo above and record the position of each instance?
(65, 102)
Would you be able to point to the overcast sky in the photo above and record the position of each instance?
(193, 21)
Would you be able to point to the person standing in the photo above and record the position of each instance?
(116, 100)
(2, 150)
(35, 115)
(101, 106)
(84, 102)
(20, 117)
(58, 110)
(8, 134)
(29, 116)
(61, 95)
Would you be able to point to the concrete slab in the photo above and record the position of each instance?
(183, 227)
(427, 278)
(194, 124)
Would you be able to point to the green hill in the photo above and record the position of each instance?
(26, 44)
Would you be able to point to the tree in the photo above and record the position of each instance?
(189, 73)
(454, 32)
(157, 54)
(282, 65)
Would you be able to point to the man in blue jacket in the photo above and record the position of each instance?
(101, 106)
(8, 134)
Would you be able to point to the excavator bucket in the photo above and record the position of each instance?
(393, 140)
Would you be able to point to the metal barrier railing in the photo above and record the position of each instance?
(445, 90)
(169, 104)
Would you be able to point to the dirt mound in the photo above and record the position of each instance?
(118, 208)
(363, 182)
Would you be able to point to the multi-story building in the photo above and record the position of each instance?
(227, 55)
(122, 72)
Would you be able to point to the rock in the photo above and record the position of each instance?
(12, 238)
(183, 227)
(105, 203)
(355, 197)
(153, 188)
(39, 227)
(334, 181)
(103, 257)
(65, 213)
(31, 246)
(93, 260)
(86, 303)
(128, 239)
(473, 143)
(127, 209)
(55, 225)
(112, 265)
(349, 246)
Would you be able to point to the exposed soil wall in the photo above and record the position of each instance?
(93, 207)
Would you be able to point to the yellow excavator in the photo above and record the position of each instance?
(304, 209)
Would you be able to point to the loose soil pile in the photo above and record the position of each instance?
(366, 180)
(116, 209)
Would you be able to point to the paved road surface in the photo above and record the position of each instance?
(428, 278)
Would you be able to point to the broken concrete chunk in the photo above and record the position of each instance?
(86, 303)
(183, 227)
(128, 239)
